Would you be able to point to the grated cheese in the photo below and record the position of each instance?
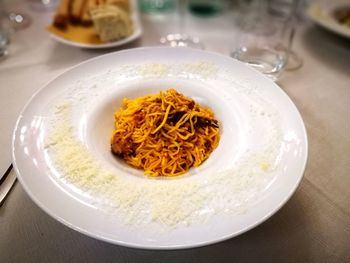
(138, 201)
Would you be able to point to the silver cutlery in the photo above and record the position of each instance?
(6, 182)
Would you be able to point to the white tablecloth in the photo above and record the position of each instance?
(314, 226)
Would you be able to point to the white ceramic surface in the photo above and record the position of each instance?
(322, 13)
(136, 34)
(246, 103)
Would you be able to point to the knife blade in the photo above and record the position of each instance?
(7, 181)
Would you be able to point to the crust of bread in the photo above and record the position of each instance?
(61, 17)
(111, 22)
(121, 3)
(77, 11)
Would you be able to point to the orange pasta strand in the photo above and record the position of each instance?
(164, 134)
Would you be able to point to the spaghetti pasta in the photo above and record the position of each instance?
(164, 134)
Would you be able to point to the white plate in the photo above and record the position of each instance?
(136, 34)
(322, 13)
(254, 171)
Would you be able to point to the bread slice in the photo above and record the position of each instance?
(111, 22)
(124, 4)
(77, 10)
(61, 16)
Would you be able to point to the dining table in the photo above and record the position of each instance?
(313, 226)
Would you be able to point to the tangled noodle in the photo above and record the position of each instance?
(164, 134)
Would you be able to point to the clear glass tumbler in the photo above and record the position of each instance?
(263, 41)
(181, 38)
(157, 6)
(5, 32)
(207, 8)
(4, 41)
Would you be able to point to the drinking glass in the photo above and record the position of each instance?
(156, 6)
(6, 30)
(18, 20)
(43, 5)
(181, 38)
(207, 8)
(4, 37)
(288, 11)
(265, 39)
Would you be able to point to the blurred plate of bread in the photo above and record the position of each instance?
(331, 15)
(96, 23)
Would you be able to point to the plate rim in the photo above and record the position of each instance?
(256, 222)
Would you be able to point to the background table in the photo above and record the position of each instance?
(314, 226)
